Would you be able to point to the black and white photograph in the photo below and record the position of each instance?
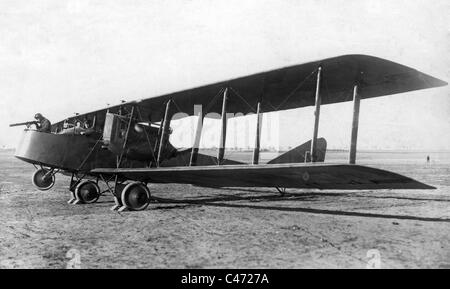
(239, 136)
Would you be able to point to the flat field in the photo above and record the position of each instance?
(193, 227)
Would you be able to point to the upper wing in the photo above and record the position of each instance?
(290, 87)
(321, 176)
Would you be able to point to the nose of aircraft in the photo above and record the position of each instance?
(53, 150)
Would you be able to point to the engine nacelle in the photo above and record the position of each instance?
(142, 139)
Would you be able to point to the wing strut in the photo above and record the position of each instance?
(165, 130)
(258, 134)
(318, 102)
(119, 159)
(223, 132)
(354, 138)
(198, 135)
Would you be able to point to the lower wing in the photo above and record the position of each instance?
(306, 175)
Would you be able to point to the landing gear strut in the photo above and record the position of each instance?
(43, 179)
(282, 191)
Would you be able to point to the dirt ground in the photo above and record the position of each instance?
(192, 227)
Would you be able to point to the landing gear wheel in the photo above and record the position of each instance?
(43, 179)
(135, 196)
(87, 192)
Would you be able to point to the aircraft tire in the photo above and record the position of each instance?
(136, 196)
(87, 192)
(40, 183)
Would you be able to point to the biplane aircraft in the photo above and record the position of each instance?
(127, 146)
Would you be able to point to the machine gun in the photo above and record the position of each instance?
(27, 123)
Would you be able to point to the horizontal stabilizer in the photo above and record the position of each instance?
(301, 154)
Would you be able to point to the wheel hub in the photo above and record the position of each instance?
(43, 179)
(87, 192)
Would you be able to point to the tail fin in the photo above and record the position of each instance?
(301, 154)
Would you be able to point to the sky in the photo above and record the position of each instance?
(61, 57)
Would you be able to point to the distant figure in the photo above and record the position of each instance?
(428, 159)
(43, 124)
